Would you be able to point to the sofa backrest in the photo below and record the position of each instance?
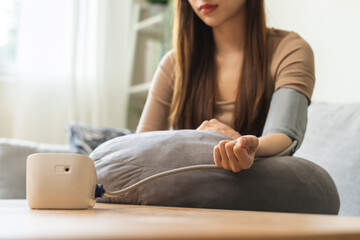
(331, 141)
(13, 154)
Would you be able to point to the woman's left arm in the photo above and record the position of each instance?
(285, 123)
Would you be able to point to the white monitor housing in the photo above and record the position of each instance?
(60, 181)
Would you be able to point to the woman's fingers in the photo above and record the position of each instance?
(245, 149)
(217, 126)
(243, 156)
(236, 155)
(217, 156)
(224, 158)
(233, 161)
(204, 125)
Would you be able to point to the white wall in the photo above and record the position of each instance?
(332, 28)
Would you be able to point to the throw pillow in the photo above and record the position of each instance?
(83, 138)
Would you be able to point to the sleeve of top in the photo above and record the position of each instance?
(157, 107)
(293, 65)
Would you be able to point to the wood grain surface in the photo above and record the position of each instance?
(116, 221)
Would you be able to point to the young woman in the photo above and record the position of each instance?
(229, 73)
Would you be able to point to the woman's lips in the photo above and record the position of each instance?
(208, 8)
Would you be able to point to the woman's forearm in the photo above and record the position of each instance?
(272, 144)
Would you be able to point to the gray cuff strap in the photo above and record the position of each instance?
(288, 115)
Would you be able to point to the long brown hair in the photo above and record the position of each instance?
(195, 71)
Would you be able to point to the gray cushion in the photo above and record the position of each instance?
(285, 184)
(331, 141)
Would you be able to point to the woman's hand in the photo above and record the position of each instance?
(236, 155)
(217, 126)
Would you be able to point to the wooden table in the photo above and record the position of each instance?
(112, 221)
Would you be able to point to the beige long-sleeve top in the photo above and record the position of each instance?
(291, 65)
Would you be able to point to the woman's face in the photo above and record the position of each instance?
(215, 12)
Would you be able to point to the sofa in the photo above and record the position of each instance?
(329, 142)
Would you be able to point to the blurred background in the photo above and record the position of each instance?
(92, 61)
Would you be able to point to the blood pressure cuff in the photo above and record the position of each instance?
(287, 114)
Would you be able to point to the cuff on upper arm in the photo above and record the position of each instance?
(287, 114)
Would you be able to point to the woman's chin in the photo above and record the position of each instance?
(211, 22)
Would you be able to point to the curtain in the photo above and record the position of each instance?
(64, 71)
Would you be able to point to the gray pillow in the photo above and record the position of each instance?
(284, 184)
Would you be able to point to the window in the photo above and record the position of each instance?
(9, 16)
